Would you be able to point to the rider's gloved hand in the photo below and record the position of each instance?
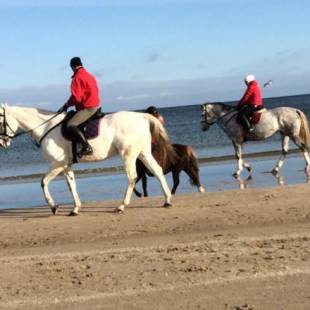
(63, 108)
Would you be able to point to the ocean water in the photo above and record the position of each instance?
(183, 126)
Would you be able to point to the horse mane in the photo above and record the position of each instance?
(226, 107)
(40, 111)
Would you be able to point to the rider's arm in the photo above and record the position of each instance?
(246, 96)
(76, 92)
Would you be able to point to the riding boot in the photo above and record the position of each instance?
(79, 136)
(246, 124)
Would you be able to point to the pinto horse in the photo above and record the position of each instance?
(187, 161)
(126, 133)
(290, 122)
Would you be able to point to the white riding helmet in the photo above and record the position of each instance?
(249, 78)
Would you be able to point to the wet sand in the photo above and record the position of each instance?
(218, 250)
(215, 176)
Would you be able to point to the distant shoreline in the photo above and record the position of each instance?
(119, 169)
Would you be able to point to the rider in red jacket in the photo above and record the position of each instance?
(84, 90)
(250, 102)
(85, 98)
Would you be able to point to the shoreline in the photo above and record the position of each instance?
(119, 169)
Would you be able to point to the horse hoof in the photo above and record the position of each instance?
(236, 175)
(201, 189)
(72, 213)
(54, 209)
(307, 170)
(119, 210)
(167, 205)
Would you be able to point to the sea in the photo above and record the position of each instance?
(23, 163)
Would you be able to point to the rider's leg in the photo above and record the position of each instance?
(244, 116)
(78, 118)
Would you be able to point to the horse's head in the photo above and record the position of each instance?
(8, 127)
(208, 116)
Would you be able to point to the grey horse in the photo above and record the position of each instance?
(291, 123)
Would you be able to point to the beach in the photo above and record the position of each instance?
(243, 244)
(232, 249)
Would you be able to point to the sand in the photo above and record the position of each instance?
(223, 250)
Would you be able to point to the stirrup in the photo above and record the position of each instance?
(85, 151)
(251, 129)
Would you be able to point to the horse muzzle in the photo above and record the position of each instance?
(4, 144)
(204, 126)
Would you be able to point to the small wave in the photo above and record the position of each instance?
(120, 169)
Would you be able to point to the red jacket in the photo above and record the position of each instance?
(84, 90)
(252, 95)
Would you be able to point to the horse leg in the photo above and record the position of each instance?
(137, 193)
(69, 174)
(131, 172)
(144, 184)
(49, 176)
(305, 152)
(279, 164)
(193, 174)
(176, 181)
(249, 168)
(238, 154)
(152, 165)
(140, 171)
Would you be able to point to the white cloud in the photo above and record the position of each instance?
(128, 95)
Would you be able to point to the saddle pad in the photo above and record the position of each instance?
(256, 117)
(90, 129)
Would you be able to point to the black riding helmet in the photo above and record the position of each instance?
(152, 110)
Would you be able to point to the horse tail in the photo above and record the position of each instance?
(304, 132)
(164, 148)
(193, 166)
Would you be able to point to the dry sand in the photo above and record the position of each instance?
(226, 250)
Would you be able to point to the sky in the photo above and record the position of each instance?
(148, 52)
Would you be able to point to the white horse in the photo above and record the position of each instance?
(125, 133)
(291, 123)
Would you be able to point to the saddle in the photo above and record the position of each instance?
(90, 129)
(255, 118)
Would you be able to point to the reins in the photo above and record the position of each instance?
(225, 124)
(220, 118)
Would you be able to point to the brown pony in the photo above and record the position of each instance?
(187, 161)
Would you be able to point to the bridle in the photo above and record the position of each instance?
(218, 119)
(7, 137)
